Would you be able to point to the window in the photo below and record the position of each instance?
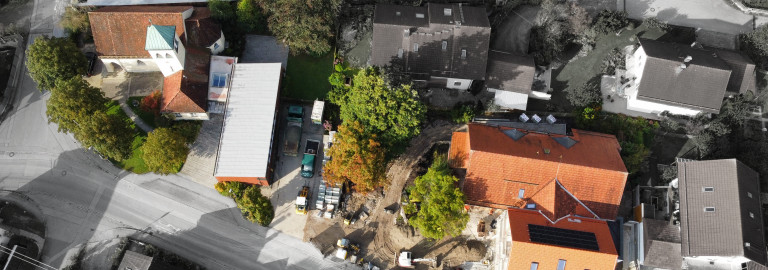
(406, 33)
(158, 56)
(561, 265)
(397, 13)
(463, 53)
(175, 45)
(709, 209)
(456, 83)
(415, 47)
(219, 80)
(168, 55)
(747, 244)
(420, 15)
(534, 266)
(447, 11)
(752, 215)
(400, 53)
(749, 194)
(177, 114)
(140, 63)
(530, 206)
(215, 46)
(445, 45)
(521, 193)
(708, 189)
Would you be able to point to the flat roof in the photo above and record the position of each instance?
(247, 133)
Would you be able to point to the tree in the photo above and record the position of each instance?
(584, 95)
(357, 157)
(306, 26)
(551, 32)
(256, 207)
(74, 101)
(441, 209)
(221, 10)
(610, 21)
(249, 15)
(51, 59)
(393, 113)
(165, 151)
(151, 103)
(755, 44)
(109, 135)
(75, 19)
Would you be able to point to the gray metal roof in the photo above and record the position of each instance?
(510, 72)
(701, 85)
(248, 131)
(661, 242)
(432, 45)
(726, 230)
(135, 261)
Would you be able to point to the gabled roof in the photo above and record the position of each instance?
(558, 240)
(186, 90)
(452, 46)
(733, 190)
(742, 71)
(510, 72)
(160, 37)
(700, 85)
(202, 29)
(555, 202)
(121, 30)
(499, 166)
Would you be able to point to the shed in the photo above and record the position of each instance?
(317, 112)
(247, 138)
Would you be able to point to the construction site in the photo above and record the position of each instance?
(371, 230)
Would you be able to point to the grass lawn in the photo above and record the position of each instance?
(307, 77)
(147, 117)
(135, 162)
(584, 69)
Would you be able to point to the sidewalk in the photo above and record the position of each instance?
(139, 123)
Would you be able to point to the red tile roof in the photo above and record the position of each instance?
(555, 202)
(186, 91)
(524, 251)
(498, 167)
(122, 30)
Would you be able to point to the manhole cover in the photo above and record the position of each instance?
(11, 154)
(63, 173)
(653, 10)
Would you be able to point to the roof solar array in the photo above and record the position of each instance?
(563, 237)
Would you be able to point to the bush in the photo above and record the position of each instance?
(151, 103)
(585, 95)
(610, 21)
(755, 44)
(256, 207)
(463, 114)
(614, 60)
(655, 23)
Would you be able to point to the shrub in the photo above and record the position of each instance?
(256, 207)
(610, 21)
(463, 114)
(584, 95)
(151, 103)
(655, 23)
(755, 44)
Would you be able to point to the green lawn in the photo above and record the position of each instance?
(147, 117)
(584, 69)
(134, 163)
(307, 77)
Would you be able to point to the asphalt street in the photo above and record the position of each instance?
(86, 199)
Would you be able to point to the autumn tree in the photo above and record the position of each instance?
(256, 207)
(151, 103)
(52, 59)
(109, 135)
(440, 211)
(165, 151)
(306, 26)
(395, 114)
(75, 19)
(73, 102)
(357, 157)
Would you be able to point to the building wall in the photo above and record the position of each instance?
(635, 65)
(652, 107)
(169, 61)
(459, 84)
(190, 116)
(220, 42)
(715, 262)
(251, 180)
(137, 65)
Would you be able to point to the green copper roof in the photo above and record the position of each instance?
(160, 37)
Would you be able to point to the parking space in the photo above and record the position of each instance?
(288, 181)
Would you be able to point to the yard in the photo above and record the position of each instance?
(134, 163)
(306, 77)
(581, 70)
(147, 117)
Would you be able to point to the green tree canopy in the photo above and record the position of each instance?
(165, 151)
(52, 59)
(307, 26)
(357, 157)
(441, 209)
(110, 135)
(222, 10)
(249, 15)
(256, 207)
(393, 113)
(74, 101)
(75, 19)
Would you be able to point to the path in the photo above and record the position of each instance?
(139, 123)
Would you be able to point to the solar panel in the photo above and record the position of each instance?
(563, 237)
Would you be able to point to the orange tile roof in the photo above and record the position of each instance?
(459, 149)
(186, 91)
(122, 30)
(498, 167)
(524, 251)
(555, 202)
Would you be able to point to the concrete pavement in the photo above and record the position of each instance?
(712, 15)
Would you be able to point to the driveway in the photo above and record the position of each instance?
(288, 182)
(712, 15)
(514, 33)
(201, 160)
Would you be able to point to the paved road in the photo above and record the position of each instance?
(86, 199)
(713, 15)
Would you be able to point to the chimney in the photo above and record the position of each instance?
(687, 59)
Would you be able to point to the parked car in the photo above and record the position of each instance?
(91, 63)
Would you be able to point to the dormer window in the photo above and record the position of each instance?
(158, 56)
(445, 45)
(420, 15)
(709, 209)
(447, 11)
(708, 189)
(397, 13)
(463, 53)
